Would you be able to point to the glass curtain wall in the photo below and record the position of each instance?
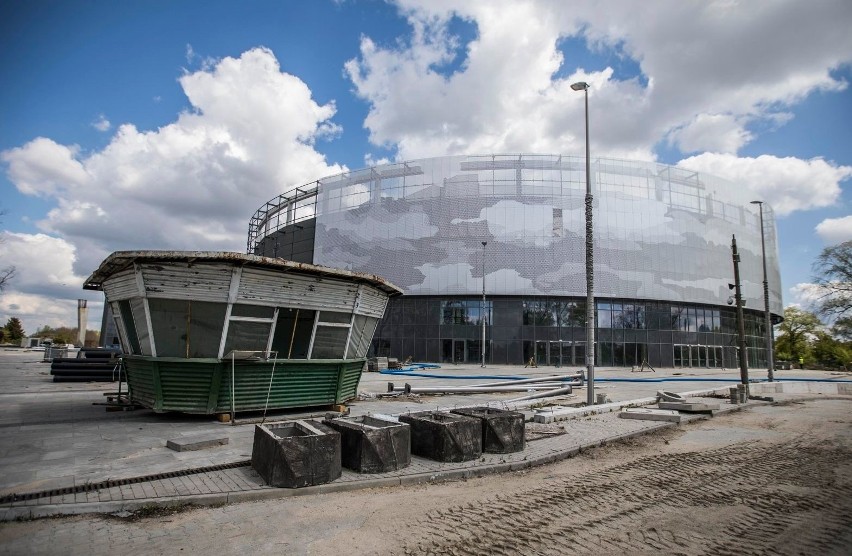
(551, 331)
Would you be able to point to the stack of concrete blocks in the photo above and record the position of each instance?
(739, 394)
(502, 430)
(444, 436)
(296, 454)
(373, 444)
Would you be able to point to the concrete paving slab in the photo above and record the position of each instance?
(689, 407)
(196, 442)
(645, 414)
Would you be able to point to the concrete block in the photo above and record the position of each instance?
(502, 430)
(198, 442)
(824, 387)
(689, 407)
(796, 388)
(650, 414)
(844, 388)
(371, 444)
(444, 436)
(296, 454)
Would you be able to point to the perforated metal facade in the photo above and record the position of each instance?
(661, 233)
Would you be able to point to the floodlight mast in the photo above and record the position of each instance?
(590, 276)
(770, 356)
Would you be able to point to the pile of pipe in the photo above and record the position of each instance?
(90, 365)
(542, 387)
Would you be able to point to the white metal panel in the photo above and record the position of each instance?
(121, 285)
(263, 287)
(199, 282)
(371, 302)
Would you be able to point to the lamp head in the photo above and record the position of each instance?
(756, 202)
(484, 243)
(580, 86)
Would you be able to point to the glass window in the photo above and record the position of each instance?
(538, 312)
(702, 321)
(678, 318)
(453, 312)
(362, 332)
(334, 317)
(129, 327)
(257, 311)
(330, 342)
(137, 305)
(465, 312)
(293, 333)
(246, 336)
(184, 328)
(604, 316)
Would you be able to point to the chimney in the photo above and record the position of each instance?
(82, 321)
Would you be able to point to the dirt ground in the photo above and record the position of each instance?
(769, 480)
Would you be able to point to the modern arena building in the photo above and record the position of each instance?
(446, 229)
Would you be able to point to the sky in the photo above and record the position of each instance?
(164, 125)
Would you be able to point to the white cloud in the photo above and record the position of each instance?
(45, 287)
(101, 123)
(192, 184)
(807, 296)
(712, 69)
(711, 132)
(787, 184)
(835, 230)
(45, 168)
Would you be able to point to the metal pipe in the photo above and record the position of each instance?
(545, 394)
(469, 390)
(393, 387)
(532, 380)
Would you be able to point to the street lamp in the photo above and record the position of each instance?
(590, 276)
(482, 313)
(770, 359)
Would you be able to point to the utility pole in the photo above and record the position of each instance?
(738, 298)
(483, 312)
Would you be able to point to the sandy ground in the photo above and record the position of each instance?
(772, 479)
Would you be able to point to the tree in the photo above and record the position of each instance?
(842, 328)
(830, 352)
(14, 331)
(795, 333)
(833, 274)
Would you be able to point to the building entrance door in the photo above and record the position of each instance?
(541, 353)
(557, 349)
(459, 351)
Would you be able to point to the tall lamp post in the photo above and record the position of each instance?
(770, 359)
(482, 315)
(590, 276)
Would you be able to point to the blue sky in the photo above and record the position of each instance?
(754, 93)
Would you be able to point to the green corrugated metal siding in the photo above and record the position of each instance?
(204, 385)
(140, 381)
(186, 384)
(350, 377)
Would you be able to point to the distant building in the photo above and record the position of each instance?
(662, 239)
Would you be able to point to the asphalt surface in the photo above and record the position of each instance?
(58, 439)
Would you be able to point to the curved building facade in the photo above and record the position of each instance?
(662, 240)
